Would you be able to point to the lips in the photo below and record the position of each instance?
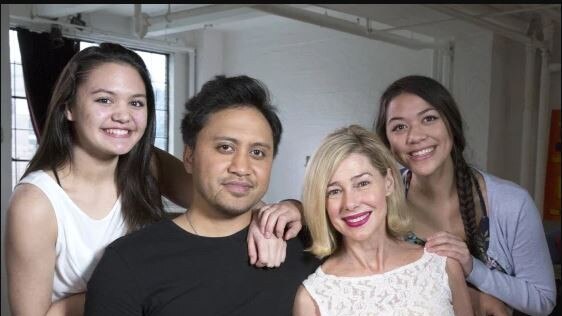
(357, 220)
(238, 188)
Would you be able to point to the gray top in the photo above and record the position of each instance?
(518, 244)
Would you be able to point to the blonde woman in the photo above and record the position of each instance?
(354, 207)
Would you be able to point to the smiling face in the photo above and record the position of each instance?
(231, 162)
(356, 198)
(110, 113)
(418, 135)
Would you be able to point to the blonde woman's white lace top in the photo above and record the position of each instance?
(418, 288)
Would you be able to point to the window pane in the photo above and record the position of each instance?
(161, 143)
(18, 84)
(24, 144)
(87, 44)
(157, 68)
(15, 56)
(18, 168)
(160, 96)
(22, 116)
(161, 124)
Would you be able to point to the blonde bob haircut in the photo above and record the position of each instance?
(333, 150)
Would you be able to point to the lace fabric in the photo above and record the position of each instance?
(418, 288)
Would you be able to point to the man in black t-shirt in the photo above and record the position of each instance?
(197, 263)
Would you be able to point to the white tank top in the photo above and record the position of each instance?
(417, 288)
(80, 239)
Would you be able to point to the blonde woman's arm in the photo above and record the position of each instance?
(304, 304)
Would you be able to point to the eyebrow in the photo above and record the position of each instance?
(419, 114)
(352, 178)
(101, 90)
(234, 140)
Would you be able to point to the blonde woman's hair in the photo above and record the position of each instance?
(333, 150)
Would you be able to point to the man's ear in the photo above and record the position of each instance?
(389, 182)
(188, 159)
(68, 113)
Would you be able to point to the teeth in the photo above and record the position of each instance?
(118, 132)
(422, 152)
(358, 219)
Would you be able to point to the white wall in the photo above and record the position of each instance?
(471, 90)
(319, 79)
(507, 108)
(6, 146)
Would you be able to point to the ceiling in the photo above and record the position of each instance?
(401, 23)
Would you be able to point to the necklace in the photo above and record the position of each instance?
(190, 224)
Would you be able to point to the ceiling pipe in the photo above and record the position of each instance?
(196, 18)
(491, 15)
(89, 33)
(184, 14)
(537, 8)
(522, 38)
(343, 26)
(60, 10)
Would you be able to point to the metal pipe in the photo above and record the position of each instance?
(542, 132)
(184, 14)
(342, 25)
(89, 33)
(526, 172)
(538, 7)
(519, 37)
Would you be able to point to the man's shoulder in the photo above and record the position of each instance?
(296, 249)
(151, 234)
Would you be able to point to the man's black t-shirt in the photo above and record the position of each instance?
(164, 270)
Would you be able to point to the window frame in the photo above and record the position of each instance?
(15, 160)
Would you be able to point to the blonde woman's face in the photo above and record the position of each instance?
(356, 198)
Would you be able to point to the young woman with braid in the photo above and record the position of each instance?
(490, 225)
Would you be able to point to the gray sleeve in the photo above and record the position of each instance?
(531, 288)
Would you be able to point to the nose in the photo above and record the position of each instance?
(416, 134)
(121, 113)
(240, 164)
(350, 200)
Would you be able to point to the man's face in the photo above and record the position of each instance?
(231, 161)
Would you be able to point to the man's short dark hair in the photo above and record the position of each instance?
(225, 93)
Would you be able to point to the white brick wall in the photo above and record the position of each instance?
(319, 79)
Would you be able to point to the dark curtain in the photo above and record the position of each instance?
(43, 57)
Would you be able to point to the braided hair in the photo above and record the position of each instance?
(437, 95)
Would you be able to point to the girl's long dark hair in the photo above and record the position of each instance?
(439, 97)
(140, 196)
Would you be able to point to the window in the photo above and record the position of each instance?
(24, 141)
